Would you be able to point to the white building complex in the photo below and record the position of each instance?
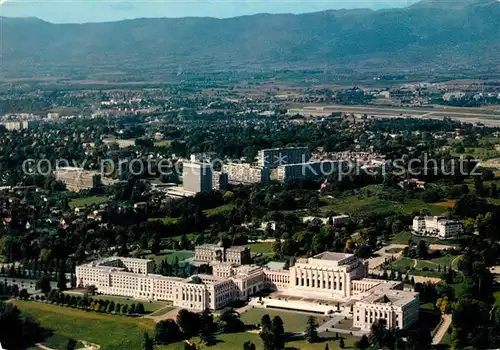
(436, 226)
(313, 284)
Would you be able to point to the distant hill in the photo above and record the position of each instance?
(432, 35)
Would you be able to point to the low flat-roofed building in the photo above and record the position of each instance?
(399, 308)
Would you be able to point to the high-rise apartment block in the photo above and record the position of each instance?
(20, 124)
(306, 171)
(220, 180)
(197, 177)
(246, 174)
(274, 157)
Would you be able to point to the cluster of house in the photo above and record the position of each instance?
(328, 278)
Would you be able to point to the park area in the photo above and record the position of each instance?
(368, 202)
(112, 332)
(87, 201)
(235, 341)
(427, 268)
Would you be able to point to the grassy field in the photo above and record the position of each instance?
(109, 331)
(219, 210)
(165, 220)
(236, 340)
(293, 321)
(264, 248)
(431, 266)
(87, 201)
(372, 204)
(170, 256)
(162, 143)
(58, 341)
(148, 306)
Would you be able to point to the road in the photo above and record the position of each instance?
(381, 255)
(443, 328)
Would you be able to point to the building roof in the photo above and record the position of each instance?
(275, 265)
(332, 256)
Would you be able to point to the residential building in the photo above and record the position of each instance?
(274, 157)
(246, 174)
(436, 226)
(196, 177)
(20, 124)
(306, 171)
(220, 180)
(77, 179)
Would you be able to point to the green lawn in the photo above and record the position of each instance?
(236, 340)
(293, 321)
(165, 220)
(367, 203)
(219, 210)
(87, 201)
(404, 264)
(497, 298)
(264, 248)
(109, 331)
(148, 306)
(170, 256)
(58, 341)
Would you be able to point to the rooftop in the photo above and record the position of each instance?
(332, 256)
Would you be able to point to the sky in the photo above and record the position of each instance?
(80, 11)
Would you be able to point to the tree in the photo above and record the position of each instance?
(230, 321)
(341, 343)
(248, 345)
(139, 309)
(422, 250)
(43, 284)
(362, 343)
(188, 322)
(147, 342)
(166, 332)
(443, 305)
(419, 338)
(71, 344)
(61, 278)
(277, 247)
(265, 322)
(378, 333)
(278, 332)
(124, 309)
(92, 290)
(207, 328)
(312, 330)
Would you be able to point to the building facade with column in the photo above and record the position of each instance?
(328, 273)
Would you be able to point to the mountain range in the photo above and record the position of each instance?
(435, 35)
